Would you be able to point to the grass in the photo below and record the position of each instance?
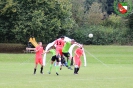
(107, 67)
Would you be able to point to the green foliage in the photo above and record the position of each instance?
(87, 12)
(7, 14)
(114, 21)
(43, 19)
(48, 19)
(87, 4)
(78, 11)
(95, 14)
(130, 21)
(102, 35)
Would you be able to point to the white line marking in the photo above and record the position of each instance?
(97, 59)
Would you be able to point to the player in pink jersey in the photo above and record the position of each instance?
(77, 61)
(59, 45)
(38, 57)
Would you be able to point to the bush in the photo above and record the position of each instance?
(11, 48)
(114, 21)
(102, 35)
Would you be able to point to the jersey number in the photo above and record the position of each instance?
(58, 43)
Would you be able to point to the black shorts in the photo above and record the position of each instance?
(55, 58)
(66, 54)
(63, 61)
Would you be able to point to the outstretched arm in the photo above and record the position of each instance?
(77, 43)
(45, 52)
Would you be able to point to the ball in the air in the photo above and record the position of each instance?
(90, 35)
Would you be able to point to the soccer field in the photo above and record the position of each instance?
(107, 67)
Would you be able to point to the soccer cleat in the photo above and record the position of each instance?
(57, 73)
(41, 72)
(34, 73)
(49, 72)
(66, 65)
(60, 68)
(70, 68)
(75, 73)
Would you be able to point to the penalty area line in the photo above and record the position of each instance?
(97, 59)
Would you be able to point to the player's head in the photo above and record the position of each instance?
(62, 37)
(72, 41)
(81, 46)
(40, 43)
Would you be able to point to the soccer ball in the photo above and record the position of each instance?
(90, 35)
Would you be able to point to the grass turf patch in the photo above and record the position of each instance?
(107, 67)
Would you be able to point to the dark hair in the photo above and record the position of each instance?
(62, 37)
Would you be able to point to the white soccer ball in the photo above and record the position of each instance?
(90, 35)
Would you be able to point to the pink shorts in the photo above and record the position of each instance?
(59, 51)
(39, 60)
(77, 61)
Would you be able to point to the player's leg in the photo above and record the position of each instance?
(41, 71)
(51, 65)
(79, 64)
(60, 55)
(76, 60)
(69, 63)
(75, 65)
(35, 68)
(50, 68)
(68, 60)
(41, 63)
(65, 62)
(57, 66)
(36, 63)
(62, 62)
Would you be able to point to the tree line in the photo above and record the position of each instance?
(46, 20)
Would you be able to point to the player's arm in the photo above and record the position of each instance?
(54, 43)
(46, 51)
(77, 43)
(36, 49)
(76, 53)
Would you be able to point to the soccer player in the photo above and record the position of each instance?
(59, 45)
(66, 53)
(38, 57)
(53, 60)
(77, 61)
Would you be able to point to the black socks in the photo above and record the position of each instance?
(34, 70)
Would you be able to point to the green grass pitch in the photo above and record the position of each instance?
(107, 67)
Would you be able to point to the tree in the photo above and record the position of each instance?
(7, 13)
(95, 14)
(43, 19)
(87, 4)
(78, 11)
